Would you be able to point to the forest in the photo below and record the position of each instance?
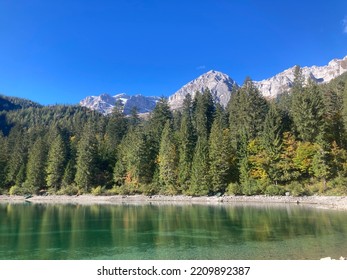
(294, 143)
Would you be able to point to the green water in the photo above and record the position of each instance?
(38, 231)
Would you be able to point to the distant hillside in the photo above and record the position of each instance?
(8, 103)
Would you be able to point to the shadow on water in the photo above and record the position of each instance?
(38, 231)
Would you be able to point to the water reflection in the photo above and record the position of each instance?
(38, 231)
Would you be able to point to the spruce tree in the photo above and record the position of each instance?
(204, 110)
(200, 180)
(307, 112)
(271, 139)
(86, 158)
(36, 171)
(186, 144)
(3, 160)
(16, 167)
(168, 161)
(220, 153)
(247, 110)
(56, 160)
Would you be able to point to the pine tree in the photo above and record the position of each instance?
(16, 167)
(86, 158)
(204, 110)
(186, 144)
(159, 116)
(168, 161)
(288, 170)
(135, 165)
(220, 153)
(57, 156)
(307, 112)
(299, 81)
(247, 183)
(200, 180)
(69, 173)
(3, 160)
(333, 120)
(36, 172)
(271, 139)
(247, 110)
(116, 128)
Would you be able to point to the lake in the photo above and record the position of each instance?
(164, 232)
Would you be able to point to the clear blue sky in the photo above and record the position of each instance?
(62, 51)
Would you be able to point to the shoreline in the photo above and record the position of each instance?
(329, 202)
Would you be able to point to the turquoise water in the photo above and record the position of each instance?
(54, 232)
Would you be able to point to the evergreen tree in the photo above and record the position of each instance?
(247, 110)
(159, 116)
(69, 173)
(288, 170)
(307, 112)
(86, 158)
(57, 156)
(299, 81)
(204, 111)
(247, 183)
(3, 160)
(135, 164)
(168, 161)
(271, 139)
(220, 153)
(36, 172)
(333, 120)
(200, 180)
(116, 128)
(16, 167)
(187, 144)
(134, 119)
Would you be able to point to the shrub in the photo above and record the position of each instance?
(233, 189)
(97, 190)
(297, 189)
(151, 189)
(272, 189)
(70, 190)
(16, 190)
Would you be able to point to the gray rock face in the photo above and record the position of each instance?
(282, 82)
(218, 83)
(105, 103)
(220, 86)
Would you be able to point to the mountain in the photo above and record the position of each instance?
(283, 81)
(220, 86)
(105, 103)
(218, 83)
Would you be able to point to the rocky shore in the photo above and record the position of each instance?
(331, 202)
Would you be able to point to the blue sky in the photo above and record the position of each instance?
(62, 51)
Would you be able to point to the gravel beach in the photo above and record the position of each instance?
(330, 202)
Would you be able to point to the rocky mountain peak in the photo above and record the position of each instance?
(283, 81)
(217, 82)
(105, 103)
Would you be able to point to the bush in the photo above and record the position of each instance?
(233, 189)
(297, 189)
(116, 190)
(70, 190)
(16, 190)
(272, 189)
(97, 191)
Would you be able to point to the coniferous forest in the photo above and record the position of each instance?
(295, 143)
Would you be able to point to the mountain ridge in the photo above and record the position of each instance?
(221, 86)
